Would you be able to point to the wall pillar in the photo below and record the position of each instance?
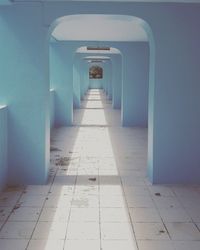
(61, 80)
(25, 90)
(116, 80)
(176, 119)
(76, 83)
(135, 84)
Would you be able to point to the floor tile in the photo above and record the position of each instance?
(58, 201)
(55, 214)
(194, 213)
(32, 200)
(166, 202)
(112, 190)
(37, 189)
(87, 180)
(136, 191)
(5, 212)
(198, 225)
(113, 179)
(119, 245)
(150, 231)
(85, 201)
(174, 215)
(9, 199)
(128, 181)
(145, 215)
(186, 191)
(50, 230)
(60, 190)
(116, 231)
(25, 214)
(17, 230)
(186, 245)
(189, 201)
(114, 215)
(112, 201)
(141, 201)
(107, 173)
(159, 190)
(2, 223)
(65, 180)
(84, 214)
(183, 231)
(16, 244)
(88, 172)
(83, 231)
(155, 245)
(86, 189)
(46, 244)
(82, 244)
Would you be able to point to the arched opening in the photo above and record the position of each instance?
(141, 32)
(111, 61)
(83, 60)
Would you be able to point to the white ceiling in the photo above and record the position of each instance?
(99, 28)
(96, 57)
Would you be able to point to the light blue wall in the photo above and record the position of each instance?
(96, 84)
(76, 83)
(135, 84)
(176, 143)
(24, 89)
(108, 81)
(107, 68)
(52, 108)
(116, 78)
(84, 79)
(5, 2)
(61, 80)
(3, 146)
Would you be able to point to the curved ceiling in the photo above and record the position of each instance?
(99, 28)
(96, 58)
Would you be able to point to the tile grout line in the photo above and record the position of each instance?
(41, 209)
(99, 210)
(126, 203)
(13, 208)
(70, 210)
(183, 207)
(100, 241)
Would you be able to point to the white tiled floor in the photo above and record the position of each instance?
(98, 196)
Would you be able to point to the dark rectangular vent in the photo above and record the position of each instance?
(98, 48)
(96, 61)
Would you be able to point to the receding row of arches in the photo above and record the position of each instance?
(153, 63)
(112, 58)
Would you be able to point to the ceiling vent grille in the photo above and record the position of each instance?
(98, 48)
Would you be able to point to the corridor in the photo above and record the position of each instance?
(98, 196)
